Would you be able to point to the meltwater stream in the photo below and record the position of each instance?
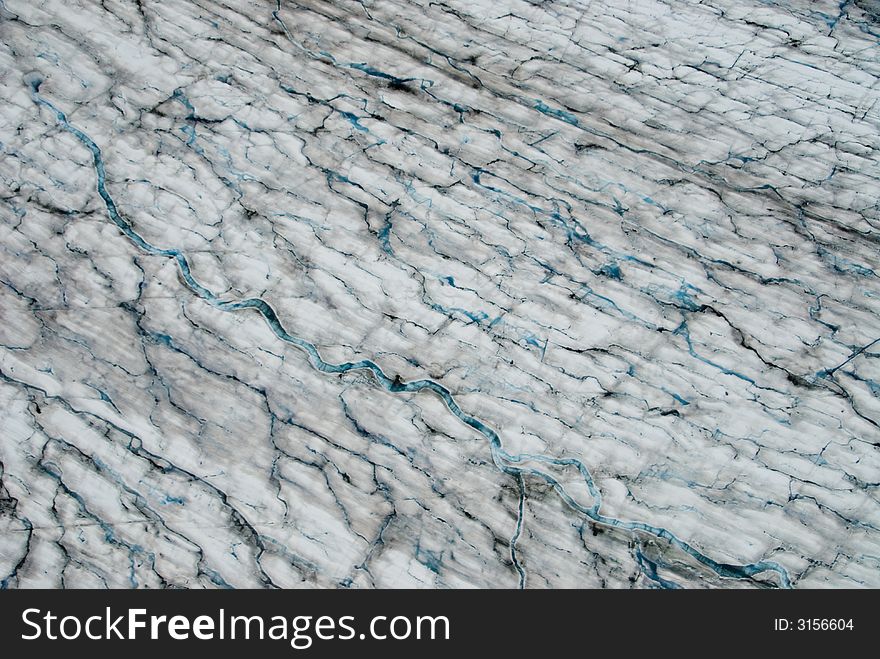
(506, 462)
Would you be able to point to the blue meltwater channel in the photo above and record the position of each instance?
(506, 462)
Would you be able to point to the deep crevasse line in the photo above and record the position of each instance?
(505, 461)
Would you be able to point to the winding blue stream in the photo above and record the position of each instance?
(506, 462)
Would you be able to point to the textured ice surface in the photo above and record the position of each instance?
(439, 294)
